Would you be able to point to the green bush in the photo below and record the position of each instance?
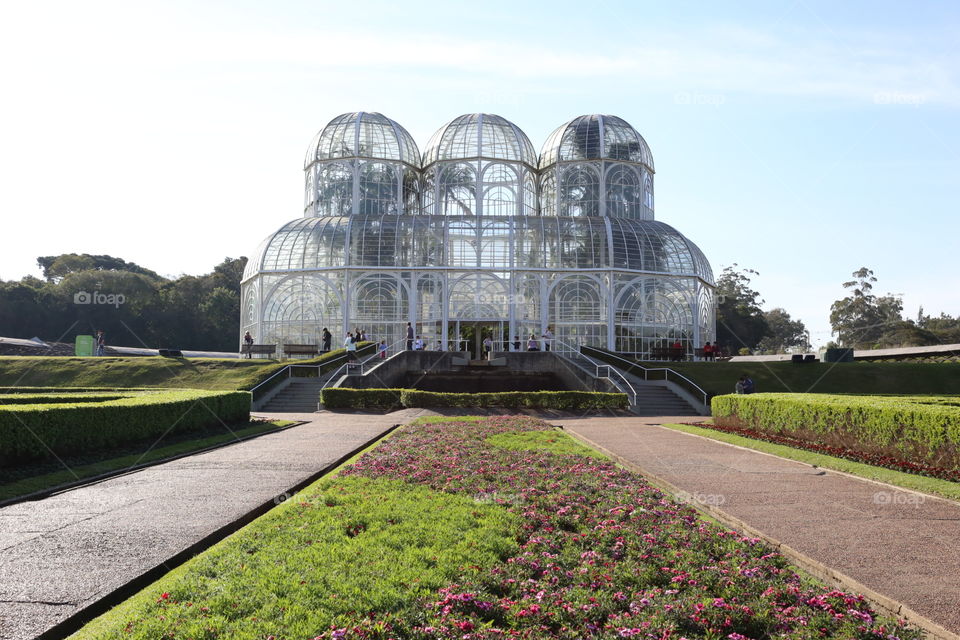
(915, 427)
(386, 398)
(52, 398)
(38, 431)
(339, 398)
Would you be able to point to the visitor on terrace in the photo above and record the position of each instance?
(248, 340)
(533, 344)
(351, 346)
(382, 349)
(409, 337)
(708, 352)
(327, 337)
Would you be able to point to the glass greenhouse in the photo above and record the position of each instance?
(478, 237)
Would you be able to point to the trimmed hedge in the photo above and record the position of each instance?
(386, 398)
(37, 431)
(921, 428)
(52, 398)
(342, 398)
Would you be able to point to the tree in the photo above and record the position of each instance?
(784, 334)
(740, 321)
(860, 319)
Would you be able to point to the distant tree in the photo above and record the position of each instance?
(740, 321)
(860, 319)
(945, 328)
(784, 334)
(56, 267)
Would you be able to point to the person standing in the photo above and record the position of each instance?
(708, 351)
(547, 339)
(382, 349)
(101, 342)
(487, 347)
(351, 347)
(533, 344)
(409, 337)
(248, 341)
(326, 337)
(516, 343)
(418, 344)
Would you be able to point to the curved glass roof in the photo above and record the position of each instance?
(595, 137)
(521, 242)
(480, 135)
(363, 135)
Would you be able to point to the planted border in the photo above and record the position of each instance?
(31, 432)
(343, 398)
(599, 554)
(922, 430)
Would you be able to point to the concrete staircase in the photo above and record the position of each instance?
(300, 395)
(658, 400)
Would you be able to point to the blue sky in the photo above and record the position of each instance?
(801, 139)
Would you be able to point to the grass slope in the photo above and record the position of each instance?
(819, 377)
(193, 373)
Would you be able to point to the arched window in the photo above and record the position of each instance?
(579, 191)
(500, 190)
(624, 199)
(335, 189)
(458, 190)
(378, 189)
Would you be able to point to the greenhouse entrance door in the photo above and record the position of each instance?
(471, 333)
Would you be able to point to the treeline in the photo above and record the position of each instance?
(860, 320)
(134, 306)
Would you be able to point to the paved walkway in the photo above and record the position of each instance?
(60, 554)
(901, 544)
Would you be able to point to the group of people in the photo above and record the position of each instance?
(745, 385)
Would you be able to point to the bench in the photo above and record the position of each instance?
(258, 350)
(667, 353)
(300, 350)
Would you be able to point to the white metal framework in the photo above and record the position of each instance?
(484, 234)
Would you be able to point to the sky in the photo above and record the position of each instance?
(800, 139)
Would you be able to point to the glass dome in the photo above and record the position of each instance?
(363, 135)
(596, 165)
(596, 137)
(479, 164)
(362, 164)
(480, 135)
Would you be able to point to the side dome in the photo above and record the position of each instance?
(596, 137)
(363, 135)
(479, 164)
(361, 164)
(480, 135)
(596, 165)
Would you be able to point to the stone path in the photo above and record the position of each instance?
(902, 544)
(60, 554)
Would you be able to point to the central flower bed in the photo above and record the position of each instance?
(596, 552)
(603, 554)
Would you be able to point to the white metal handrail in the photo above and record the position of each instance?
(667, 371)
(561, 348)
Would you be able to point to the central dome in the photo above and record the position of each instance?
(480, 135)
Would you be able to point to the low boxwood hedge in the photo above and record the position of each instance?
(58, 398)
(922, 428)
(386, 398)
(37, 431)
(340, 398)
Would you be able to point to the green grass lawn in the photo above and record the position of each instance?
(819, 377)
(19, 481)
(193, 373)
(342, 545)
(934, 486)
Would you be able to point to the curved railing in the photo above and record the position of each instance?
(606, 371)
(667, 372)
